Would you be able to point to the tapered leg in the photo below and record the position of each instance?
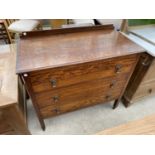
(42, 123)
(116, 103)
(126, 102)
(15, 118)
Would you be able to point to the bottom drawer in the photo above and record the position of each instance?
(145, 90)
(48, 111)
(53, 110)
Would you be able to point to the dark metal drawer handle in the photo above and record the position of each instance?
(108, 97)
(118, 68)
(112, 84)
(150, 91)
(55, 98)
(53, 83)
(57, 111)
(145, 63)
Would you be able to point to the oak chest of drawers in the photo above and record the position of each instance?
(67, 70)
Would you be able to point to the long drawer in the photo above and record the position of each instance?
(80, 95)
(50, 79)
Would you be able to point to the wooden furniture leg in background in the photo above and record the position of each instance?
(22, 98)
(26, 86)
(4, 33)
(14, 116)
(124, 26)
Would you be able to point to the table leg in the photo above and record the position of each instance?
(116, 103)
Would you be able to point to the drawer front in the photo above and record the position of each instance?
(145, 90)
(59, 77)
(77, 104)
(80, 95)
(150, 75)
(64, 95)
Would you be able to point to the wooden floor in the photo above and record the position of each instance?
(145, 126)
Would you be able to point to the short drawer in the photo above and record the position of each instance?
(51, 79)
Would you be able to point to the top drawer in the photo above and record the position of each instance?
(59, 77)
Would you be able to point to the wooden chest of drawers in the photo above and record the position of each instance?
(74, 70)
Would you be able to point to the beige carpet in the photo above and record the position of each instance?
(92, 119)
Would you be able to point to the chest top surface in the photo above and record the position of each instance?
(8, 77)
(50, 51)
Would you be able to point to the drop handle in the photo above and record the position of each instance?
(53, 83)
(55, 98)
(118, 68)
(112, 84)
(150, 91)
(145, 63)
(57, 111)
(108, 97)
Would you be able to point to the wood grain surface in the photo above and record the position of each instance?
(144, 126)
(11, 117)
(136, 79)
(50, 51)
(8, 77)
